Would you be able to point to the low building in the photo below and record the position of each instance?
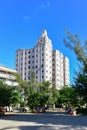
(7, 75)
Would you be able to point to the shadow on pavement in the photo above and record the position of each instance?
(45, 128)
(46, 120)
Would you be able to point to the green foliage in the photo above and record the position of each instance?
(80, 49)
(21, 82)
(39, 95)
(23, 86)
(73, 42)
(43, 94)
(37, 99)
(7, 94)
(68, 95)
(54, 95)
(82, 111)
(15, 97)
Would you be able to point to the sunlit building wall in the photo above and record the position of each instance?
(7, 75)
(46, 63)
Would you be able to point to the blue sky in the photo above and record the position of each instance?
(22, 21)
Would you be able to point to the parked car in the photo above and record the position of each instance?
(2, 111)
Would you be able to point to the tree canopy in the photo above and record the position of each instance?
(7, 93)
(74, 42)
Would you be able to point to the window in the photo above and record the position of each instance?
(28, 67)
(17, 55)
(37, 50)
(29, 61)
(42, 65)
(32, 56)
(53, 69)
(29, 78)
(32, 67)
(40, 40)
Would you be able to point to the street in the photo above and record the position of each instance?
(43, 121)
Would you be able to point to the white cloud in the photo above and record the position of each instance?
(48, 4)
(26, 17)
(45, 5)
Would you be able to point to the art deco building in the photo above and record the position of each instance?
(60, 69)
(47, 64)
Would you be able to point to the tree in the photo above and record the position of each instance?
(69, 96)
(73, 42)
(6, 94)
(53, 96)
(36, 98)
(21, 82)
(15, 97)
(39, 95)
(22, 88)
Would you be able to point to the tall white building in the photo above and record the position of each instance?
(60, 69)
(47, 64)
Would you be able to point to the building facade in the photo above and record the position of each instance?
(60, 69)
(46, 63)
(7, 75)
